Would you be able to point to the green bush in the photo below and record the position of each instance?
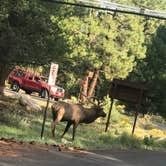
(128, 141)
(148, 141)
(162, 144)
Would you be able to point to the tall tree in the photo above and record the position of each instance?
(99, 40)
(152, 70)
(28, 35)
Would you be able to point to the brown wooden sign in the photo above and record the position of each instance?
(128, 91)
(131, 92)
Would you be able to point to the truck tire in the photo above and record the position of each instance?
(28, 92)
(56, 99)
(15, 86)
(44, 93)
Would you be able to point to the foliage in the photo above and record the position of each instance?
(152, 70)
(148, 141)
(96, 43)
(37, 33)
(129, 141)
(16, 122)
(27, 35)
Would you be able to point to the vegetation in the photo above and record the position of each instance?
(153, 68)
(23, 125)
(35, 33)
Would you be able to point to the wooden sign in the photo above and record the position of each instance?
(130, 92)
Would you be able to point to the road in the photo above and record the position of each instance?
(33, 96)
(14, 154)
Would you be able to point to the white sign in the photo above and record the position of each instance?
(53, 74)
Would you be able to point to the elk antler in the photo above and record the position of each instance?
(90, 101)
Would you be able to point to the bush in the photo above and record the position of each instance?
(148, 141)
(129, 141)
(162, 144)
(123, 141)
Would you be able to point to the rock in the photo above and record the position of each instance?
(27, 102)
(15, 96)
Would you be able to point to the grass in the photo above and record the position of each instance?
(18, 123)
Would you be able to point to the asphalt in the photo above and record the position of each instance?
(31, 155)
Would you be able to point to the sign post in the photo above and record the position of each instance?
(45, 113)
(53, 74)
(51, 81)
(131, 92)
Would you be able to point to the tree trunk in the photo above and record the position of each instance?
(84, 88)
(93, 83)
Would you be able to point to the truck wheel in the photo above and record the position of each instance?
(44, 93)
(15, 87)
(28, 92)
(56, 99)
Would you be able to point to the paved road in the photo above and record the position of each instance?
(33, 96)
(51, 156)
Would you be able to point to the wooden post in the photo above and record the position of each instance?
(137, 111)
(45, 113)
(135, 121)
(109, 115)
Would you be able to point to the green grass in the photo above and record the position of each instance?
(16, 122)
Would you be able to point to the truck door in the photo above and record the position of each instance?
(37, 84)
(28, 82)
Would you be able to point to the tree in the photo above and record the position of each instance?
(152, 70)
(115, 44)
(101, 41)
(155, 69)
(28, 35)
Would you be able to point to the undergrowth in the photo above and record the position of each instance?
(18, 123)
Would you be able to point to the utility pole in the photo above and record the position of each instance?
(109, 7)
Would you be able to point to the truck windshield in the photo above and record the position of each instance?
(44, 79)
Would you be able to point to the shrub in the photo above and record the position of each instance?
(129, 141)
(148, 141)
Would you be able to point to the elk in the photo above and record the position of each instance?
(74, 114)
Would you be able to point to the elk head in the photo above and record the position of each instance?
(98, 108)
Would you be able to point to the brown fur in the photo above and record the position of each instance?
(74, 114)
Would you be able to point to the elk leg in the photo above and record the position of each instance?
(56, 119)
(54, 116)
(75, 125)
(67, 128)
(53, 129)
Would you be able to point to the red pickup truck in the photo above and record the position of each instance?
(29, 82)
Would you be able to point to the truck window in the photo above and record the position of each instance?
(37, 79)
(19, 74)
(30, 77)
